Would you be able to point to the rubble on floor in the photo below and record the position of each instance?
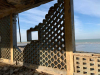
(6, 69)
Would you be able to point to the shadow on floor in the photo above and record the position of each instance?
(6, 69)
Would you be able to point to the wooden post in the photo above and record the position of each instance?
(11, 37)
(69, 35)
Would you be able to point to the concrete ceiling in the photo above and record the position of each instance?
(17, 6)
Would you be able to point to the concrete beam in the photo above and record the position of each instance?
(69, 35)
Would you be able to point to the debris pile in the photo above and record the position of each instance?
(15, 70)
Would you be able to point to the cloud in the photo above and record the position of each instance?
(98, 24)
(36, 15)
(26, 21)
(23, 35)
(88, 23)
(90, 9)
(87, 7)
(35, 35)
(33, 17)
(35, 11)
(78, 27)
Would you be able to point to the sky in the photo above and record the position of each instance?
(86, 19)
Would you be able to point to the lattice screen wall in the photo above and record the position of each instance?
(5, 37)
(50, 49)
(87, 63)
(17, 56)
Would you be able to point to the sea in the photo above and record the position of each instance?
(88, 45)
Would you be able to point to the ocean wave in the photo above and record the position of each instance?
(87, 43)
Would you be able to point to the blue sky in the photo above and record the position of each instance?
(86, 17)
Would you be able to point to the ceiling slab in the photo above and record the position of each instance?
(17, 6)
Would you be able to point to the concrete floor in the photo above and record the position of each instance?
(6, 69)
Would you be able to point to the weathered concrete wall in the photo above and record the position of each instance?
(5, 36)
(49, 50)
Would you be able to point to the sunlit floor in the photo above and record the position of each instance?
(6, 69)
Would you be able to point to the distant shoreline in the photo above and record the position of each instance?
(23, 42)
(87, 39)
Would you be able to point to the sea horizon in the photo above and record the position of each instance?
(86, 45)
(75, 40)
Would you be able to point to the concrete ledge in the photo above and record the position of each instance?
(46, 69)
(5, 60)
(77, 74)
(49, 70)
(83, 54)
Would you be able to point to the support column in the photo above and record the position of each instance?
(11, 37)
(69, 35)
(14, 30)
